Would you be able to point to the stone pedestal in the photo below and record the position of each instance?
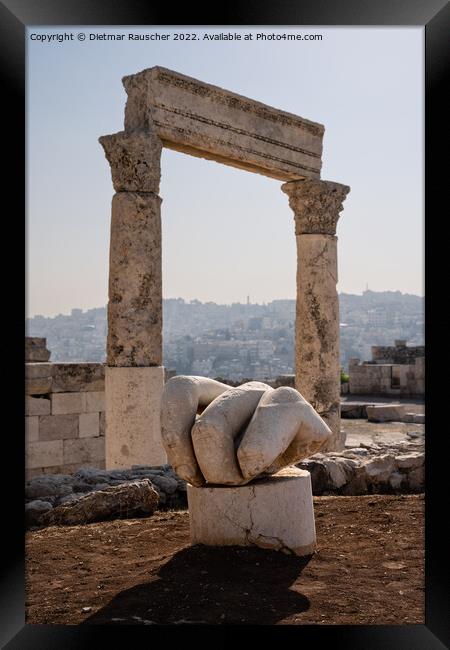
(133, 403)
(274, 513)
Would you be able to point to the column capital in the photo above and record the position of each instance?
(316, 205)
(135, 159)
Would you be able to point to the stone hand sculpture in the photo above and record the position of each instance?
(242, 432)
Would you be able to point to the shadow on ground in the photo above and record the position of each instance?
(212, 585)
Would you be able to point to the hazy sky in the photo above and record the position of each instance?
(227, 233)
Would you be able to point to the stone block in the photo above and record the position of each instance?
(274, 513)
(133, 427)
(337, 476)
(71, 468)
(32, 473)
(78, 377)
(419, 418)
(37, 406)
(38, 378)
(36, 349)
(44, 454)
(83, 450)
(352, 410)
(49, 486)
(89, 425)
(320, 479)
(396, 480)
(416, 479)
(58, 427)
(32, 428)
(116, 501)
(102, 423)
(63, 403)
(386, 413)
(408, 417)
(410, 461)
(34, 511)
(380, 468)
(95, 401)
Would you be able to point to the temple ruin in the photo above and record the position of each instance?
(167, 109)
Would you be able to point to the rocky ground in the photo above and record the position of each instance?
(45, 493)
(369, 569)
(379, 458)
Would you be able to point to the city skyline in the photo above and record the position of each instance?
(228, 233)
(247, 300)
(243, 339)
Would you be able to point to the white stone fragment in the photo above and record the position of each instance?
(283, 430)
(215, 433)
(273, 513)
(181, 398)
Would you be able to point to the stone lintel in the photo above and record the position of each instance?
(316, 205)
(135, 159)
(203, 120)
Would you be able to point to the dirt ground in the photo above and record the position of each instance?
(369, 569)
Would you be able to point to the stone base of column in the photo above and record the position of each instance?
(274, 513)
(133, 429)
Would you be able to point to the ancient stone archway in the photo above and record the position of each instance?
(168, 109)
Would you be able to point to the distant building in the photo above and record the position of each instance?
(393, 370)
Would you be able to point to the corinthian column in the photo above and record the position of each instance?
(134, 376)
(316, 205)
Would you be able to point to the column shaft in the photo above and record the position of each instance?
(317, 371)
(316, 205)
(135, 281)
(134, 377)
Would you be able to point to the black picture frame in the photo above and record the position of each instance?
(15, 16)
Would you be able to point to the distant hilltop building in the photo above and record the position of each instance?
(393, 370)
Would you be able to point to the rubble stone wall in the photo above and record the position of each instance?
(387, 379)
(64, 417)
(400, 353)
